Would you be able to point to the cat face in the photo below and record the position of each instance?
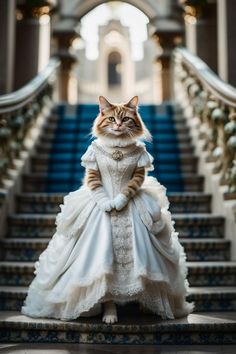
(119, 120)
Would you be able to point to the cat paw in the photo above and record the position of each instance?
(107, 205)
(120, 201)
(110, 319)
(110, 313)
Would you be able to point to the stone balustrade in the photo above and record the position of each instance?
(18, 113)
(213, 103)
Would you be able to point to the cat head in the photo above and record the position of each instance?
(119, 121)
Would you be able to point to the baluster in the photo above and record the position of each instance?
(16, 124)
(5, 135)
(229, 167)
(210, 128)
(219, 117)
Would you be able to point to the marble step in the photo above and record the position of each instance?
(49, 203)
(206, 299)
(173, 156)
(164, 158)
(48, 137)
(198, 328)
(44, 163)
(26, 249)
(82, 146)
(54, 182)
(188, 225)
(199, 273)
(190, 202)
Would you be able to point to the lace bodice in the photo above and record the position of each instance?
(116, 164)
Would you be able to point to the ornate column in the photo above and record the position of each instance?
(226, 40)
(201, 29)
(32, 48)
(64, 34)
(168, 33)
(7, 41)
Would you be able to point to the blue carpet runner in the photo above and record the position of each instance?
(72, 137)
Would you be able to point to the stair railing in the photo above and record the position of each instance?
(213, 102)
(18, 113)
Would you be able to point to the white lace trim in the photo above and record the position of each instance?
(116, 141)
(122, 238)
(158, 297)
(133, 152)
(146, 161)
(88, 160)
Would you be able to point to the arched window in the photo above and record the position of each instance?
(114, 69)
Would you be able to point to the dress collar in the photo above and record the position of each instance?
(116, 142)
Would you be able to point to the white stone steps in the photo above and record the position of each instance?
(205, 298)
(49, 196)
(36, 242)
(185, 158)
(40, 181)
(194, 202)
(199, 290)
(147, 329)
(204, 225)
(191, 265)
(180, 216)
(40, 163)
(199, 273)
(29, 249)
(44, 240)
(61, 148)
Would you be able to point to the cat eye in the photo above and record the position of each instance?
(125, 119)
(111, 119)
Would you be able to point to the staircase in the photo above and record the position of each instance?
(56, 170)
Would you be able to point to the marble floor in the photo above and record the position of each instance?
(112, 349)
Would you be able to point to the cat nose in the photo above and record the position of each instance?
(119, 124)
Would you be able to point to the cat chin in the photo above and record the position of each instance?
(117, 133)
(114, 140)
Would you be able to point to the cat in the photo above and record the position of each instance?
(112, 254)
(115, 123)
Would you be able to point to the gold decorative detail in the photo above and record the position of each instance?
(117, 155)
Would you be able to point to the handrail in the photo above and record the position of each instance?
(212, 103)
(16, 100)
(217, 87)
(20, 111)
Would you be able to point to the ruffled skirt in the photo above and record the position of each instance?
(95, 256)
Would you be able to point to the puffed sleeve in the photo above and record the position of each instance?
(146, 160)
(88, 160)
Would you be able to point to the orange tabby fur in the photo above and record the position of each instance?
(135, 183)
(135, 127)
(93, 179)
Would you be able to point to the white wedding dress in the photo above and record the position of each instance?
(127, 255)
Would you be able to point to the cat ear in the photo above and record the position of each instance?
(132, 103)
(103, 103)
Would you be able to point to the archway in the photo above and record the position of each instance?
(108, 41)
(158, 13)
(79, 8)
